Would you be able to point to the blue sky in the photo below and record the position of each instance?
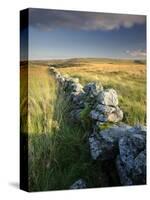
(57, 34)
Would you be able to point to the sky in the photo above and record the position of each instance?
(57, 34)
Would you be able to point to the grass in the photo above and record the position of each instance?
(128, 78)
(58, 151)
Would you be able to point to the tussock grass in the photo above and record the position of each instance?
(58, 151)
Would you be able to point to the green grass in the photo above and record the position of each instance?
(127, 78)
(61, 156)
(58, 150)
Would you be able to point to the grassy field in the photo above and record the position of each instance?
(58, 150)
(128, 78)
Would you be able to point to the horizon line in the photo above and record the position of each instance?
(46, 59)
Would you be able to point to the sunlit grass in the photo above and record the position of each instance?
(58, 151)
(128, 79)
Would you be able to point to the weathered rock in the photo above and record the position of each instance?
(132, 157)
(139, 170)
(115, 116)
(105, 113)
(138, 129)
(72, 85)
(104, 144)
(58, 75)
(95, 146)
(105, 109)
(92, 89)
(61, 80)
(124, 179)
(96, 115)
(76, 87)
(51, 68)
(129, 147)
(77, 99)
(108, 97)
(72, 80)
(137, 173)
(79, 184)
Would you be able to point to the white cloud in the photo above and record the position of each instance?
(137, 53)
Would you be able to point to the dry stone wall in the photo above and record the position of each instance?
(109, 139)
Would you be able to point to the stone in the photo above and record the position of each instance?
(94, 114)
(129, 147)
(124, 179)
(61, 80)
(105, 109)
(132, 157)
(108, 97)
(94, 146)
(77, 99)
(92, 89)
(79, 184)
(58, 75)
(138, 129)
(76, 87)
(139, 170)
(104, 144)
(51, 68)
(137, 174)
(55, 71)
(72, 85)
(115, 116)
(105, 113)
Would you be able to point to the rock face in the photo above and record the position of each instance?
(121, 144)
(131, 161)
(79, 184)
(103, 145)
(126, 145)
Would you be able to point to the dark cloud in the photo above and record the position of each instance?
(52, 19)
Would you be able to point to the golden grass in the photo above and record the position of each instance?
(38, 103)
(58, 152)
(127, 78)
(53, 143)
(130, 68)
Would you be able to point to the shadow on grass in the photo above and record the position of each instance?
(61, 156)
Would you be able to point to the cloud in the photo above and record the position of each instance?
(137, 53)
(52, 19)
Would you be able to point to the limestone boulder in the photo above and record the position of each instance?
(108, 97)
